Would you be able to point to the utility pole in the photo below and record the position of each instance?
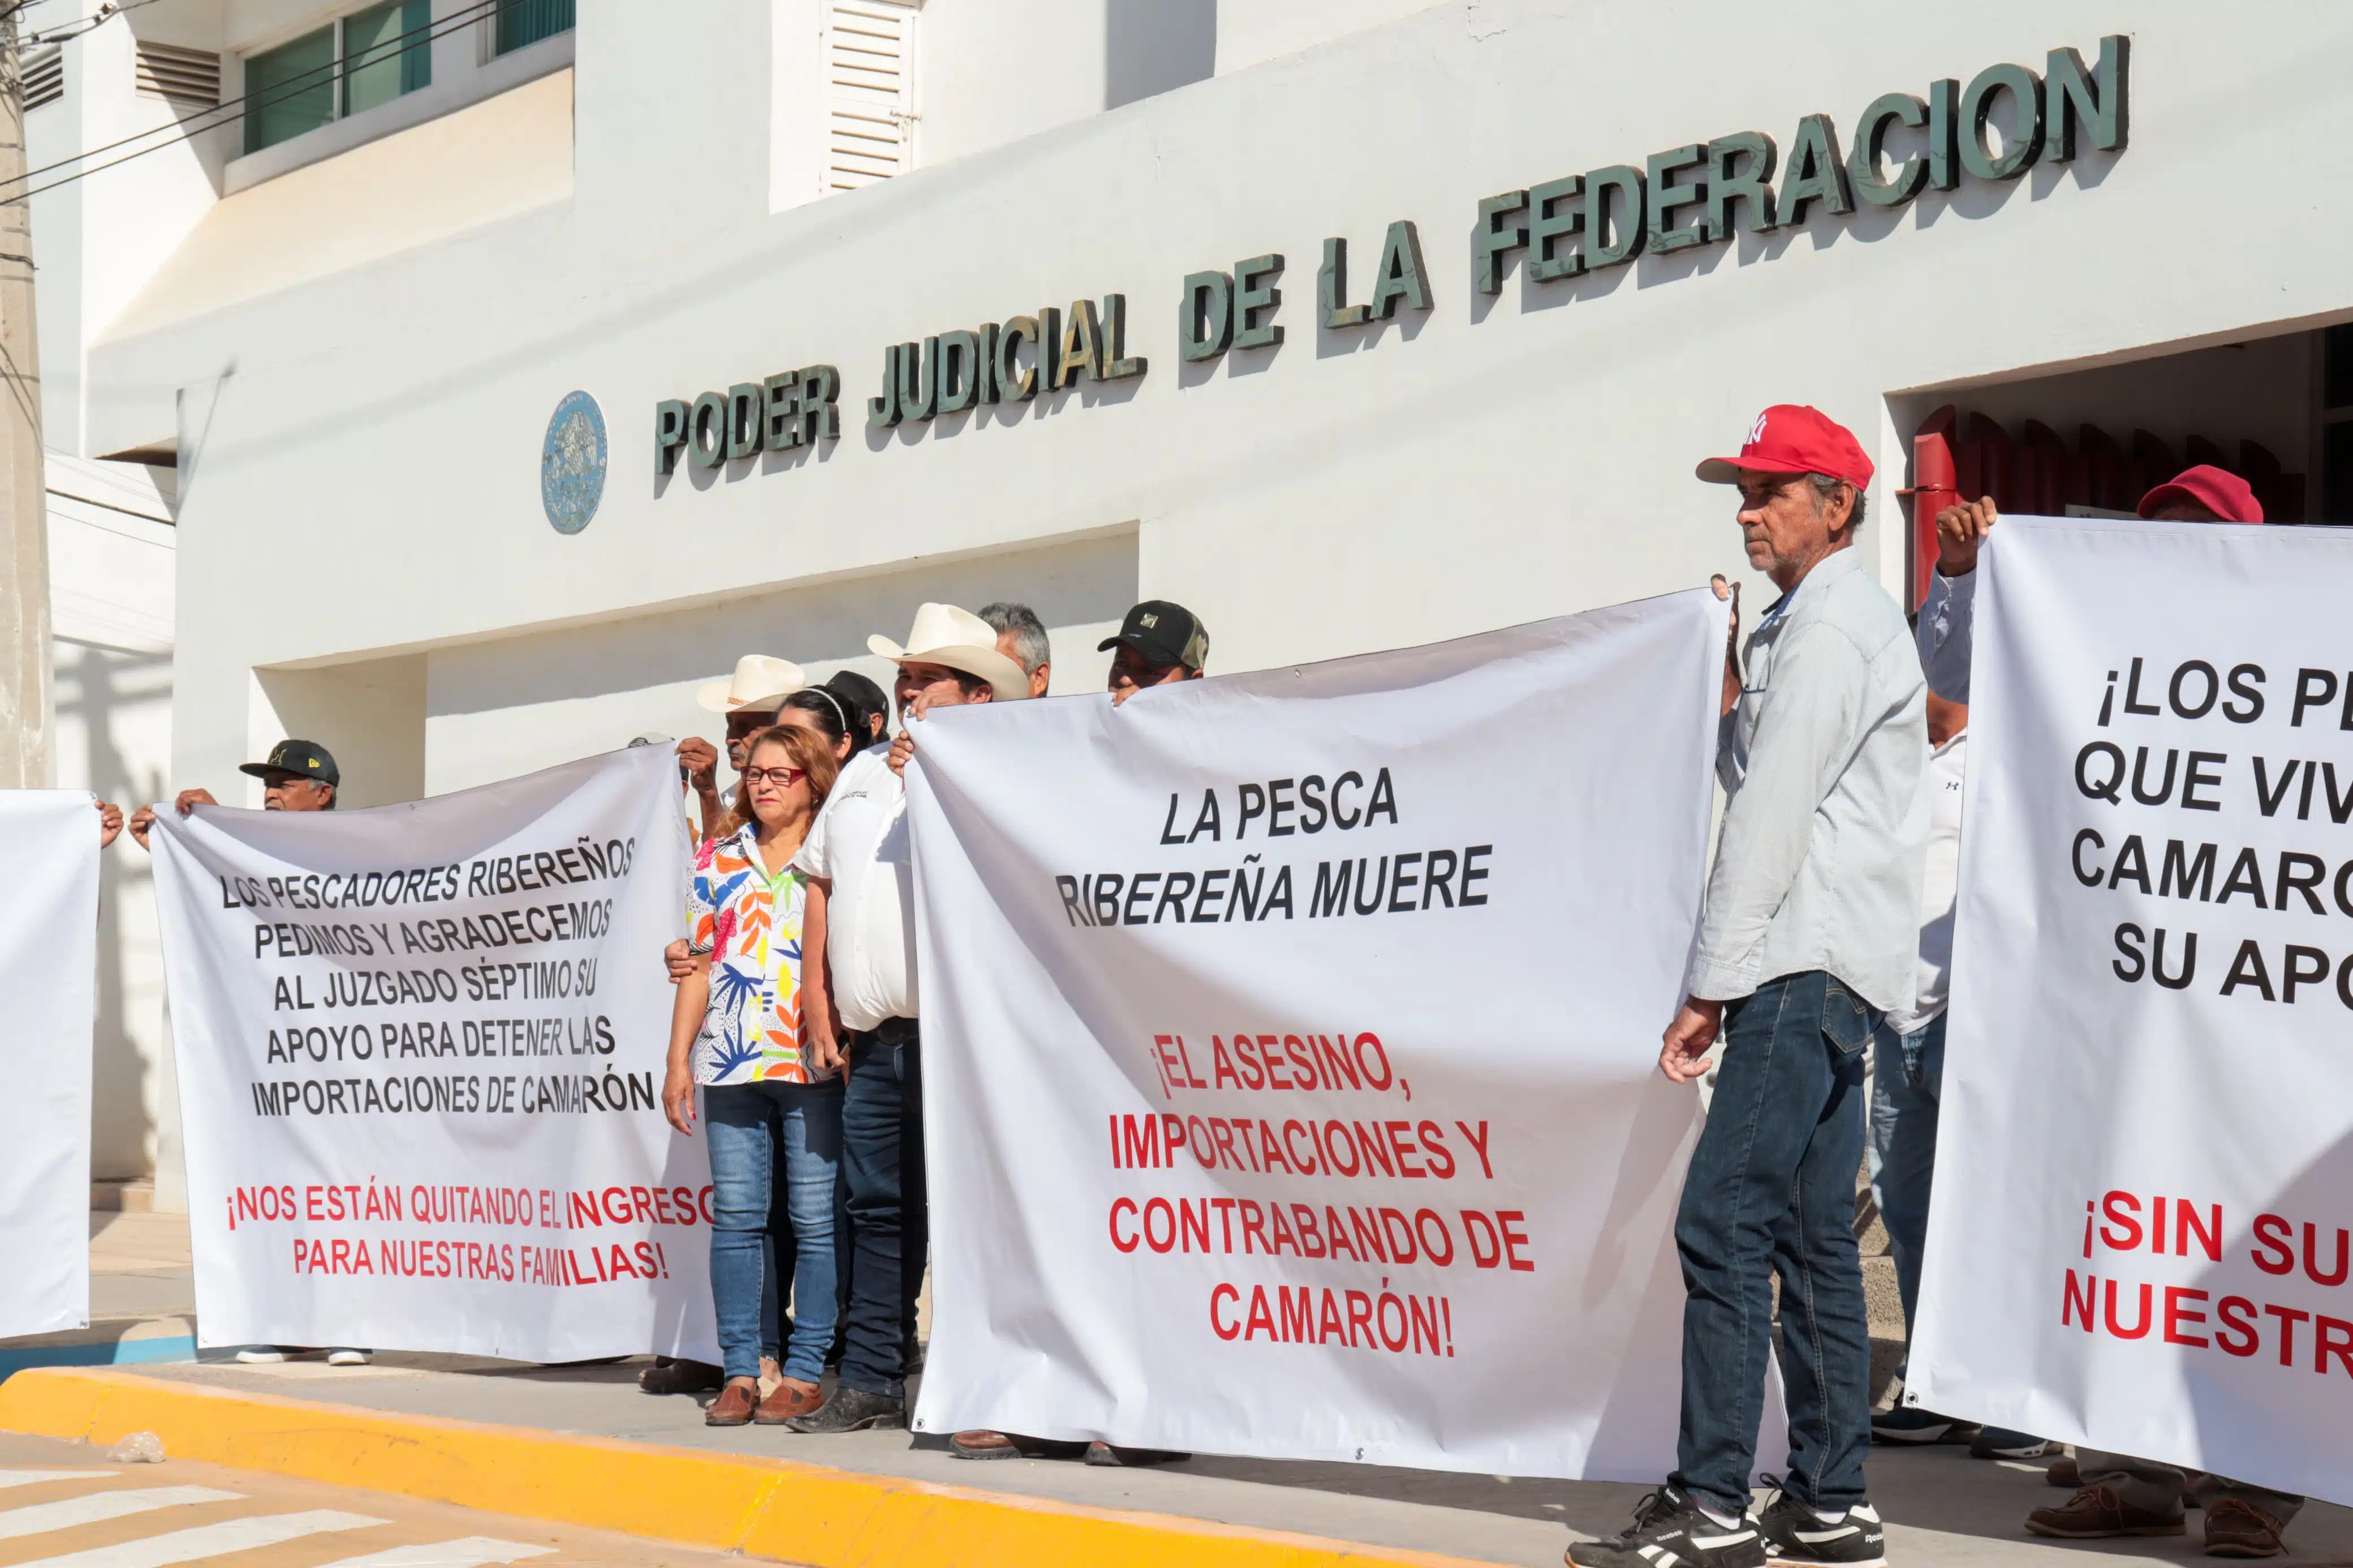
(25, 651)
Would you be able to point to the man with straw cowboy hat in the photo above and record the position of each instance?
(750, 698)
(859, 960)
(949, 657)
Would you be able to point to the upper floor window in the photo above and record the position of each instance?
(524, 22)
(869, 91)
(366, 58)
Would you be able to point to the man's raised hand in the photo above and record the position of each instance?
(1960, 530)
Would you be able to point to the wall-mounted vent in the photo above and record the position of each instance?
(183, 76)
(44, 77)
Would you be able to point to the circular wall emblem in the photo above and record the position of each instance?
(572, 463)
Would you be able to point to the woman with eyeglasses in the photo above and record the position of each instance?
(771, 1096)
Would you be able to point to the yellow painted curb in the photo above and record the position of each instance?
(776, 1509)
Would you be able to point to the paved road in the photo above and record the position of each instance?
(65, 1505)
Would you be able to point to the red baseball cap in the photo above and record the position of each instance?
(2219, 491)
(1791, 439)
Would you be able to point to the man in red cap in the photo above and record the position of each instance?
(2202, 494)
(2116, 1494)
(1809, 938)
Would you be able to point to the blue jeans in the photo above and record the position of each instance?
(1771, 1189)
(1907, 1086)
(882, 1154)
(750, 1125)
(775, 1297)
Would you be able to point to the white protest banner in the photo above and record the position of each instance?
(49, 968)
(1291, 1051)
(2144, 1164)
(421, 1052)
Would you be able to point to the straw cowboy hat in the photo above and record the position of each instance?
(759, 682)
(960, 640)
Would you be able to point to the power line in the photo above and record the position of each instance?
(178, 132)
(88, 24)
(466, 16)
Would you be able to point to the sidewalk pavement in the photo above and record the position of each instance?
(142, 1298)
(1942, 1508)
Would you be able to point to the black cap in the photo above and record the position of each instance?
(307, 758)
(1164, 634)
(864, 699)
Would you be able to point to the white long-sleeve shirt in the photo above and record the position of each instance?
(1819, 862)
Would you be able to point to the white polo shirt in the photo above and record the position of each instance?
(859, 844)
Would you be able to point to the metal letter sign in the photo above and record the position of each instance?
(2005, 120)
(1577, 222)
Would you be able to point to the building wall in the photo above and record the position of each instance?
(110, 554)
(96, 240)
(1153, 46)
(1249, 32)
(497, 708)
(993, 71)
(369, 473)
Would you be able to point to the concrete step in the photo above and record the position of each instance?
(128, 1195)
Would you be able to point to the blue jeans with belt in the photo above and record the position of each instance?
(755, 1129)
(882, 1155)
(1772, 1190)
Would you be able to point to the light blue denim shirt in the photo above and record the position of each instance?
(1947, 625)
(1819, 860)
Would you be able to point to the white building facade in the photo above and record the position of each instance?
(1366, 322)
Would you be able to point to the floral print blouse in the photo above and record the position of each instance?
(750, 924)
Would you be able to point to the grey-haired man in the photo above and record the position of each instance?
(1021, 637)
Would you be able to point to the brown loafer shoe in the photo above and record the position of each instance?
(980, 1444)
(734, 1404)
(680, 1377)
(2063, 1474)
(791, 1397)
(2098, 1514)
(2238, 1528)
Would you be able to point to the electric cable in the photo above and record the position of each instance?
(88, 24)
(178, 132)
(181, 132)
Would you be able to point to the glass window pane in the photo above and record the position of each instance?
(524, 22)
(290, 88)
(378, 61)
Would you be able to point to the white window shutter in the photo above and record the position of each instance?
(869, 92)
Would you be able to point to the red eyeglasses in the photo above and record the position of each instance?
(783, 778)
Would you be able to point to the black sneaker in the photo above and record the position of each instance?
(2002, 1443)
(853, 1410)
(1910, 1424)
(1669, 1531)
(1798, 1537)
